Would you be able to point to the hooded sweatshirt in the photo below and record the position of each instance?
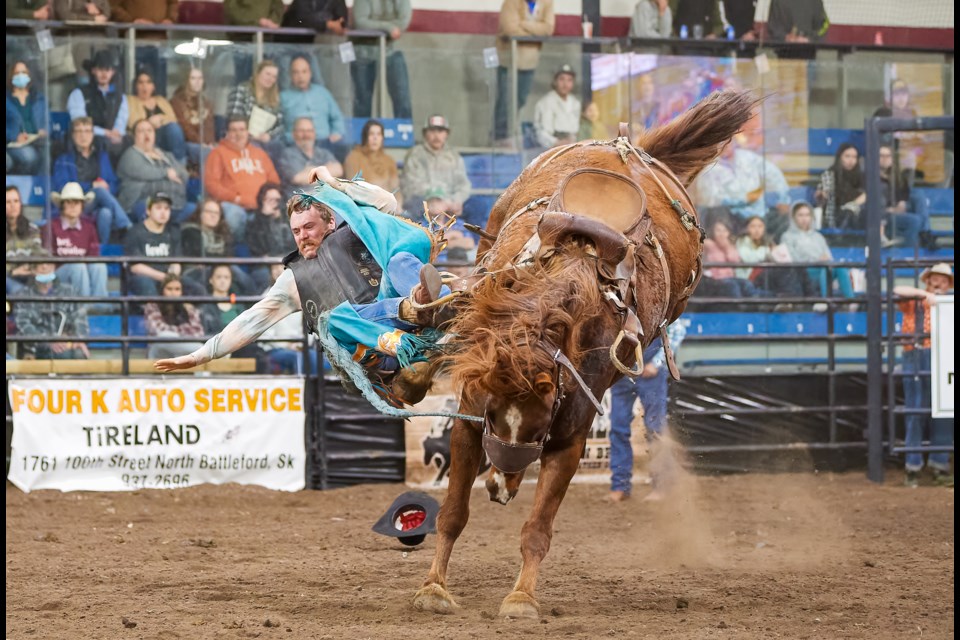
(232, 172)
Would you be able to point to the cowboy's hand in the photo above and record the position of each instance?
(175, 364)
(321, 174)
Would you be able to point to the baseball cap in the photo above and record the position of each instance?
(437, 122)
(159, 196)
(565, 69)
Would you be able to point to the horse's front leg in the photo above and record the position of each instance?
(465, 454)
(556, 470)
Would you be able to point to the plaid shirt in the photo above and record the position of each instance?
(156, 325)
(45, 318)
(242, 100)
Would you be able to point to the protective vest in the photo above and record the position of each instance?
(103, 109)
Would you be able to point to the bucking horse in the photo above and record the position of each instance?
(588, 255)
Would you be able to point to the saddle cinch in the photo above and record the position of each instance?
(607, 223)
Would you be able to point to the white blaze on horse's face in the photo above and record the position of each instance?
(514, 419)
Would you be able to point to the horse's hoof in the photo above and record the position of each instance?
(435, 599)
(519, 605)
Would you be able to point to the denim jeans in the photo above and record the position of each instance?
(87, 279)
(170, 138)
(364, 74)
(652, 393)
(24, 160)
(916, 392)
(904, 225)
(500, 113)
(197, 153)
(108, 213)
(14, 286)
(402, 274)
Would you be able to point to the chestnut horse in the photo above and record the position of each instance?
(587, 256)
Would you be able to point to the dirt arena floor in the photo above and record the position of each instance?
(740, 556)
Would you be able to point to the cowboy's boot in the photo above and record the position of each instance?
(427, 292)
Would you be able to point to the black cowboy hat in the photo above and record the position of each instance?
(102, 59)
(410, 518)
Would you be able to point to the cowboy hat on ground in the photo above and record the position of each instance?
(410, 518)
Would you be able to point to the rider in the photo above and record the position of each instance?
(393, 258)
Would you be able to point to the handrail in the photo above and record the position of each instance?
(217, 28)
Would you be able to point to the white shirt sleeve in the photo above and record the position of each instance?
(369, 194)
(282, 300)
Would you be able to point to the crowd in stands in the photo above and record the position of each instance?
(152, 174)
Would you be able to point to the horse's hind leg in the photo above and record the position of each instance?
(465, 454)
(556, 470)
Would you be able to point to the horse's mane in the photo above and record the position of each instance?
(498, 334)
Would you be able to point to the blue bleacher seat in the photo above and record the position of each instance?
(802, 192)
(825, 142)
(32, 189)
(113, 269)
(397, 132)
(476, 210)
(939, 200)
(59, 124)
(478, 164)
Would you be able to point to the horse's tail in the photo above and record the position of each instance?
(694, 139)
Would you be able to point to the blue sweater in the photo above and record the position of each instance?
(65, 170)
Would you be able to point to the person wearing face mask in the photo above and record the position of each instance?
(26, 118)
(51, 318)
(375, 313)
(937, 280)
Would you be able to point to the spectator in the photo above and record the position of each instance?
(797, 20)
(370, 160)
(651, 390)
(205, 234)
(144, 170)
(906, 225)
(697, 15)
(741, 180)
(590, 126)
(651, 19)
(73, 237)
(938, 280)
(172, 320)
(432, 166)
(323, 16)
(755, 246)
(194, 112)
(556, 118)
(28, 9)
(51, 318)
(806, 244)
(23, 238)
(268, 234)
(249, 13)
(155, 237)
(646, 108)
(149, 56)
(85, 162)
(81, 10)
(258, 101)
(392, 17)
(217, 315)
(304, 154)
(287, 357)
(145, 104)
(518, 18)
(841, 191)
(235, 172)
(101, 101)
(909, 145)
(740, 14)
(305, 99)
(719, 246)
(26, 116)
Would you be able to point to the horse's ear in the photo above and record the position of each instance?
(543, 383)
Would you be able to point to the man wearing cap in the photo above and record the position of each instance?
(916, 389)
(433, 167)
(392, 257)
(557, 116)
(153, 238)
(101, 101)
(73, 236)
(519, 18)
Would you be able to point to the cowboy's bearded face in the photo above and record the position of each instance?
(309, 228)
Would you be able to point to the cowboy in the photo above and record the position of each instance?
(372, 306)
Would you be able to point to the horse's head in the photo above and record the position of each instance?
(514, 431)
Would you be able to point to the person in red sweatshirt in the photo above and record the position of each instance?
(235, 172)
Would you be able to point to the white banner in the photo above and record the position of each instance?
(125, 434)
(941, 357)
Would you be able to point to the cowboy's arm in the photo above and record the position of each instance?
(362, 192)
(282, 300)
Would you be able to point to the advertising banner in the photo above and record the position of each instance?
(125, 434)
(941, 357)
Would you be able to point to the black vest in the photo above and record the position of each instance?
(343, 271)
(103, 109)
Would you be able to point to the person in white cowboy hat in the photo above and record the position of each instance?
(916, 388)
(72, 235)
